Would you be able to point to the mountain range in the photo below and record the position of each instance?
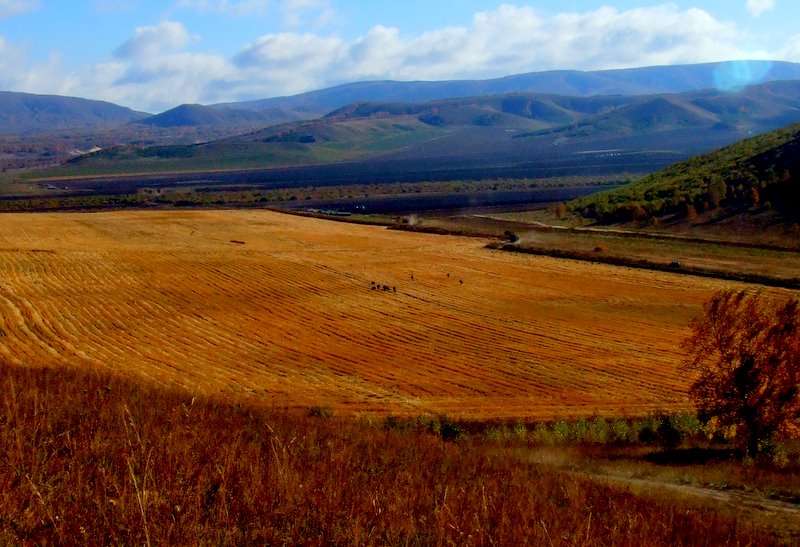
(608, 125)
(727, 75)
(517, 135)
(22, 113)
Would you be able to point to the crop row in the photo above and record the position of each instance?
(284, 309)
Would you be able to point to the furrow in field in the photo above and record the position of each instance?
(288, 314)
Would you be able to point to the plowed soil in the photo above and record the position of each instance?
(284, 309)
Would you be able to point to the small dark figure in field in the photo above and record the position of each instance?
(412, 277)
(394, 289)
(460, 281)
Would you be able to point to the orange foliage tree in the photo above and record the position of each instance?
(745, 353)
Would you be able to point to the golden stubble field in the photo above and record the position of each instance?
(280, 308)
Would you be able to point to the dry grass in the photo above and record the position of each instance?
(92, 459)
(286, 315)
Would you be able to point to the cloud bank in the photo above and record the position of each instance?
(156, 67)
(759, 7)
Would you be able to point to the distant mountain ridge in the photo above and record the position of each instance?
(29, 113)
(194, 115)
(726, 75)
(22, 113)
(754, 109)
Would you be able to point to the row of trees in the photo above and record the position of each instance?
(688, 199)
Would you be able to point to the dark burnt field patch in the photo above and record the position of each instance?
(375, 172)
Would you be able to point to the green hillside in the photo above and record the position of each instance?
(757, 174)
(306, 143)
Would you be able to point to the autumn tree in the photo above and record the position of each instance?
(745, 353)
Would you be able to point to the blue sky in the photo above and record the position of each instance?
(153, 55)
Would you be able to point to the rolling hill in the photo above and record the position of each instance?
(518, 135)
(194, 115)
(752, 187)
(22, 113)
(753, 109)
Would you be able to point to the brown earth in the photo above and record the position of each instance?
(282, 309)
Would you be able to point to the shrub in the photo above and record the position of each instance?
(395, 423)
(620, 431)
(519, 431)
(541, 434)
(579, 430)
(560, 431)
(450, 431)
(598, 430)
(320, 412)
(668, 435)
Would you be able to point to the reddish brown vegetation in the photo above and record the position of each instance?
(93, 459)
(745, 350)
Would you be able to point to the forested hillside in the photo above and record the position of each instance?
(760, 173)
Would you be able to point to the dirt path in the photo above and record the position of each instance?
(749, 506)
(536, 225)
(737, 497)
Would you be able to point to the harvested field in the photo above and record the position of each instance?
(282, 309)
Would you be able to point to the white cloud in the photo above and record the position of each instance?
(162, 82)
(499, 42)
(759, 7)
(154, 69)
(18, 74)
(151, 40)
(9, 8)
(790, 50)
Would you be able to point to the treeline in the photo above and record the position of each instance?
(239, 194)
(760, 172)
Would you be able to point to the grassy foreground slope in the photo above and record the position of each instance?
(90, 458)
(283, 310)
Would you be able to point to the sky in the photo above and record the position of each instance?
(154, 55)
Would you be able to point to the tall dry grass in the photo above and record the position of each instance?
(93, 459)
